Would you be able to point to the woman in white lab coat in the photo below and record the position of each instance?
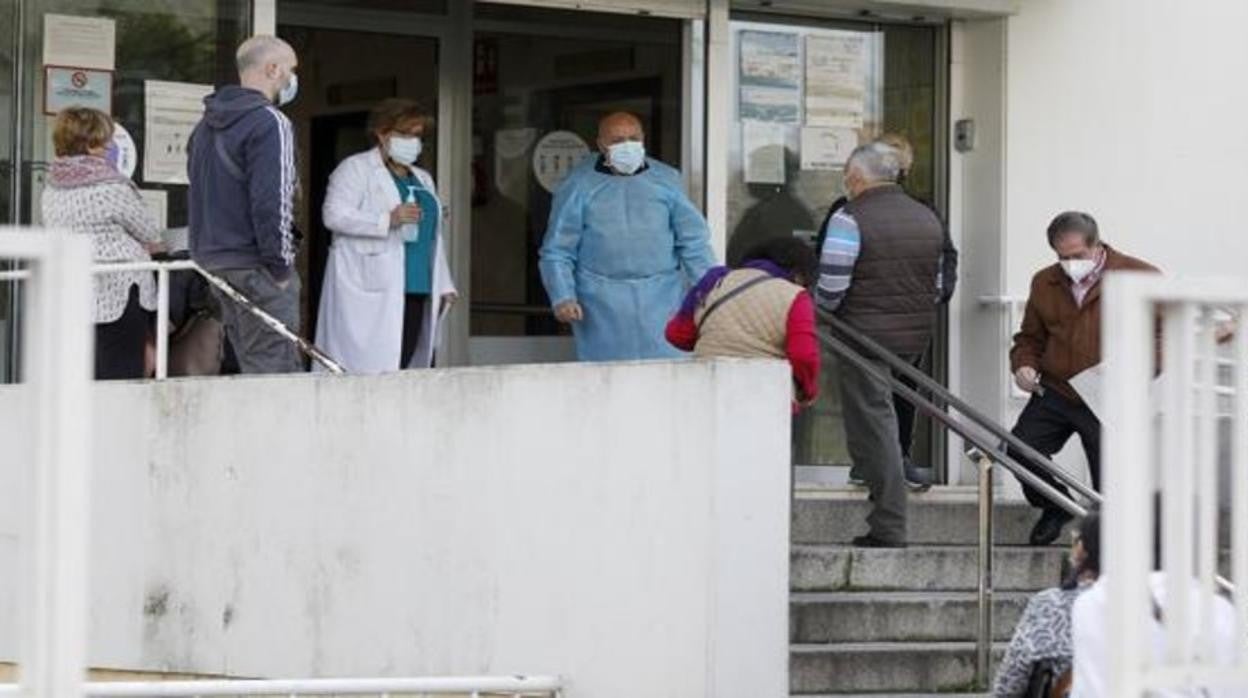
(387, 284)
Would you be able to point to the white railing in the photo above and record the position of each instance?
(475, 686)
(53, 485)
(162, 270)
(1161, 445)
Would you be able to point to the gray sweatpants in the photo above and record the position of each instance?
(258, 348)
(871, 435)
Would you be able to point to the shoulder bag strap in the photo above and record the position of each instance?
(733, 294)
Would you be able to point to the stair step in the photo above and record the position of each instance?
(935, 568)
(920, 616)
(884, 666)
(943, 515)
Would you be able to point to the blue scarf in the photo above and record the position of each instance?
(697, 295)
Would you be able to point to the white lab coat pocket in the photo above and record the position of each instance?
(374, 276)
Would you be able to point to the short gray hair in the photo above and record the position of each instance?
(257, 51)
(878, 162)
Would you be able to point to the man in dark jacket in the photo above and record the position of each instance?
(241, 200)
(1060, 338)
(879, 271)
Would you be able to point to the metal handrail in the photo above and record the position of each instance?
(986, 454)
(952, 400)
(162, 270)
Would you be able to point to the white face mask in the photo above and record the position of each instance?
(287, 94)
(627, 156)
(404, 150)
(1078, 269)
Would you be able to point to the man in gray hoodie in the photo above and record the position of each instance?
(243, 183)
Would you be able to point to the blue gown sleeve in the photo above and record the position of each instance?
(693, 237)
(561, 246)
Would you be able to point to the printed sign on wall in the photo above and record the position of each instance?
(76, 87)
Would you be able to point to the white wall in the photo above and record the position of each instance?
(625, 526)
(977, 209)
(1132, 111)
(1125, 109)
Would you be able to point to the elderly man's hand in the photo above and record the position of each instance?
(1027, 379)
(568, 312)
(1225, 331)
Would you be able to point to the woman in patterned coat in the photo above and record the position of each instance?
(86, 194)
(1044, 633)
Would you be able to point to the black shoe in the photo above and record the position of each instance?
(870, 541)
(917, 479)
(1049, 527)
(856, 479)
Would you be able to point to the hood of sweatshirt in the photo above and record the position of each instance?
(223, 108)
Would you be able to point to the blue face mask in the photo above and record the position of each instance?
(627, 157)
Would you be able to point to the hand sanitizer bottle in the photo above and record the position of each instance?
(411, 231)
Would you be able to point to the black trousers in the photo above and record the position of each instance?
(905, 410)
(413, 321)
(1046, 424)
(120, 345)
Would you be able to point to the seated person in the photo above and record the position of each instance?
(759, 309)
(1091, 636)
(1044, 633)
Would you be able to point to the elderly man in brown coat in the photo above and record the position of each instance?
(1060, 338)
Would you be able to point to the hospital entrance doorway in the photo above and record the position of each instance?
(343, 74)
(542, 79)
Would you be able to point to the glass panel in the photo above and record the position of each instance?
(8, 168)
(189, 41)
(785, 191)
(331, 115)
(537, 72)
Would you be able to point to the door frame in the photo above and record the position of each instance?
(453, 34)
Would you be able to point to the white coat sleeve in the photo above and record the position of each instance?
(344, 211)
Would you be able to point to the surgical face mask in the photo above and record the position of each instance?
(404, 150)
(287, 94)
(112, 155)
(1078, 269)
(627, 157)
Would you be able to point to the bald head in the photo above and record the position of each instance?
(617, 128)
(265, 63)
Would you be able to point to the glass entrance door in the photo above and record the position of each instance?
(808, 92)
(351, 57)
(541, 81)
(114, 54)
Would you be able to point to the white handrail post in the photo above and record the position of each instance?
(162, 323)
(1127, 336)
(53, 541)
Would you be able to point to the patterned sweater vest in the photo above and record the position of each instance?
(752, 324)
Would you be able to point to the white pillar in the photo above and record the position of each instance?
(58, 358)
(719, 111)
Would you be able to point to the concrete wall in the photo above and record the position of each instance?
(625, 526)
(1129, 113)
(1109, 108)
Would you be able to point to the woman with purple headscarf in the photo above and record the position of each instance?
(760, 309)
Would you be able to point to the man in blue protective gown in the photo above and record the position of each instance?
(622, 245)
